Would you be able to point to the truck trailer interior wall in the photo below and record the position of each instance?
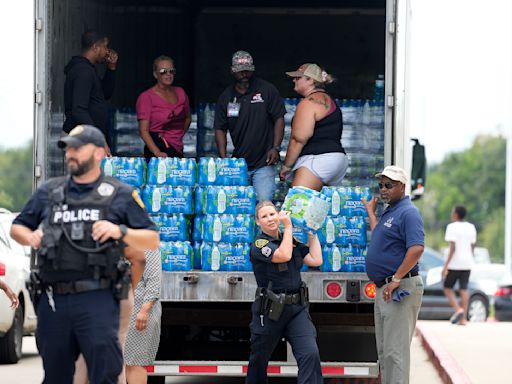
(346, 37)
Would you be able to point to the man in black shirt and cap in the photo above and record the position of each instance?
(252, 110)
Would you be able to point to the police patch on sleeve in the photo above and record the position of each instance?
(260, 243)
(266, 251)
(105, 189)
(137, 198)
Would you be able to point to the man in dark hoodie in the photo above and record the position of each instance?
(84, 91)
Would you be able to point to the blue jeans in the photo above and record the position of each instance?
(264, 182)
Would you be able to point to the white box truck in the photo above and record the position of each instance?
(206, 314)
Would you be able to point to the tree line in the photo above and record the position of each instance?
(475, 178)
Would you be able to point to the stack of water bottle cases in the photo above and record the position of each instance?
(204, 212)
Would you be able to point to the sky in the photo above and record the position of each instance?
(460, 68)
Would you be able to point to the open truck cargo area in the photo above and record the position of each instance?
(206, 314)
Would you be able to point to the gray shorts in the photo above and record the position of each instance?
(330, 168)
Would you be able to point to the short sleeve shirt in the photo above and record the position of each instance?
(463, 234)
(399, 228)
(127, 207)
(284, 276)
(252, 131)
(165, 118)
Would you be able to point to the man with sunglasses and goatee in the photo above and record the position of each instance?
(396, 245)
(85, 93)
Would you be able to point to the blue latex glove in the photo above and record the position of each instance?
(399, 294)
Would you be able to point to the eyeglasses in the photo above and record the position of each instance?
(387, 185)
(164, 71)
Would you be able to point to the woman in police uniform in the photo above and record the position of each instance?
(280, 309)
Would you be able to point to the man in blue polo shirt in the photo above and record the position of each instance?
(392, 263)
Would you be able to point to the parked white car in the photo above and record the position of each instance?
(14, 270)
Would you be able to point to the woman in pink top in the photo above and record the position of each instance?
(163, 112)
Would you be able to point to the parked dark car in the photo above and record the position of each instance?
(435, 305)
(503, 302)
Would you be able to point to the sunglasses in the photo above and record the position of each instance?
(387, 185)
(164, 71)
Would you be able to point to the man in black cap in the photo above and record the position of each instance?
(80, 225)
(85, 93)
(252, 110)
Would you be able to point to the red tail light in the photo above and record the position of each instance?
(503, 292)
(2, 269)
(333, 289)
(369, 290)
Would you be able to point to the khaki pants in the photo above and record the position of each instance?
(394, 328)
(126, 307)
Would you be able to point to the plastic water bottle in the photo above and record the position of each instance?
(221, 201)
(335, 203)
(329, 231)
(379, 88)
(217, 229)
(215, 258)
(107, 168)
(211, 170)
(161, 171)
(336, 259)
(155, 204)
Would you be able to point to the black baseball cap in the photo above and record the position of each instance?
(82, 135)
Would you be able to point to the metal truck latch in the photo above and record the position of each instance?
(191, 279)
(235, 279)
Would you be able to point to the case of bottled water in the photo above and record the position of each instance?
(172, 227)
(226, 199)
(176, 255)
(168, 199)
(130, 170)
(308, 208)
(172, 171)
(333, 259)
(343, 230)
(347, 200)
(228, 228)
(225, 256)
(222, 171)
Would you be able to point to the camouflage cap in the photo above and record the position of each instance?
(242, 61)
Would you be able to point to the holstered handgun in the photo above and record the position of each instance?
(35, 288)
(122, 282)
(276, 305)
(304, 294)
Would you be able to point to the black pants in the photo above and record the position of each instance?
(296, 326)
(170, 151)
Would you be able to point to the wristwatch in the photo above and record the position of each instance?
(124, 230)
(394, 279)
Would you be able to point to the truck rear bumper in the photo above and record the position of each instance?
(239, 369)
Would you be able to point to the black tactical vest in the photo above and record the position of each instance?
(67, 246)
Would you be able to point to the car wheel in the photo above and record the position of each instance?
(10, 344)
(478, 309)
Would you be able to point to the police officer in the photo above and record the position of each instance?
(80, 225)
(280, 309)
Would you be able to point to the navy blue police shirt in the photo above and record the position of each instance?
(284, 276)
(126, 208)
(399, 228)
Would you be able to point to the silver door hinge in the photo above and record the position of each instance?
(39, 24)
(390, 101)
(37, 171)
(38, 97)
(392, 27)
